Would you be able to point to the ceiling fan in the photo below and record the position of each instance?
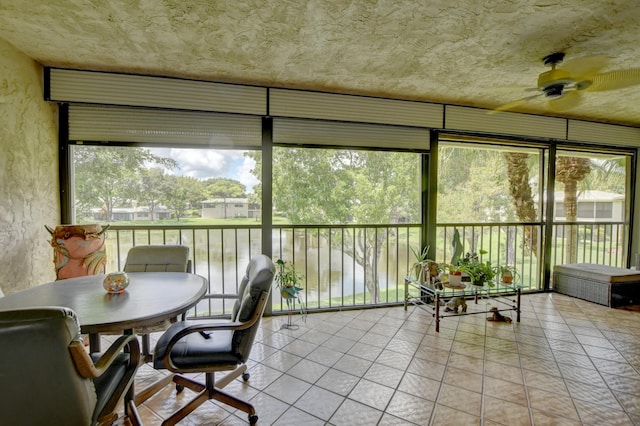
(562, 86)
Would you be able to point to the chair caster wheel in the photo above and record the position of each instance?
(179, 388)
(245, 376)
(253, 419)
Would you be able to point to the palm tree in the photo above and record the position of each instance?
(607, 174)
(571, 171)
(522, 195)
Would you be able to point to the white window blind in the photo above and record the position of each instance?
(127, 90)
(120, 124)
(316, 132)
(331, 106)
(609, 134)
(506, 123)
(147, 91)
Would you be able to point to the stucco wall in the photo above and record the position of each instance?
(28, 173)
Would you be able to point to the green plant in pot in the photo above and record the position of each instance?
(455, 274)
(420, 268)
(287, 280)
(454, 268)
(506, 273)
(480, 272)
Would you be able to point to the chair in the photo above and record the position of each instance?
(156, 258)
(47, 377)
(160, 258)
(195, 347)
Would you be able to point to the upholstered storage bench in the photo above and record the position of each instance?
(606, 285)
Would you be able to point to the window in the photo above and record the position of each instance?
(350, 204)
(604, 210)
(489, 201)
(585, 210)
(162, 185)
(596, 185)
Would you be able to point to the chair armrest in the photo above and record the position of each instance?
(85, 366)
(189, 328)
(203, 327)
(223, 296)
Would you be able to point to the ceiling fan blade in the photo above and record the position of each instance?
(585, 66)
(515, 104)
(612, 80)
(568, 100)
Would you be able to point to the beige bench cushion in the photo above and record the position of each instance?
(602, 273)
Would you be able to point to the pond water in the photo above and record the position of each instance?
(221, 256)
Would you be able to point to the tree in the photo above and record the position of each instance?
(107, 177)
(182, 193)
(152, 187)
(570, 171)
(256, 196)
(608, 174)
(522, 195)
(326, 186)
(473, 188)
(225, 188)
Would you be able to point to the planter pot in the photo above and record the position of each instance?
(455, 280)
(421, 272)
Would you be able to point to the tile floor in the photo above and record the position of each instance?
(568, 362)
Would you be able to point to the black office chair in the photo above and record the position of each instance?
(193, 347)
(156, 258)
(47, 377)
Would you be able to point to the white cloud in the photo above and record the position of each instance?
(211, 163)
(245, 176)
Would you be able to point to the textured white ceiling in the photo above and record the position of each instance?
(465, 52)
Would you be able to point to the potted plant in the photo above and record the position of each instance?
(420, 267)
(287, 280)
(506, 273)
(480, 272)
(455, 274)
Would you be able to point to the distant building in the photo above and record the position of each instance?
(132, 214)
(593, 206)
(227, 208)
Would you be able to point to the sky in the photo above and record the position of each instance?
(211, 163)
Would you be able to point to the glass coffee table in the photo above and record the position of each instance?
(443, 300)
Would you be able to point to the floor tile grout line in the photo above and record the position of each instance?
(463, 335)
(524, 382)
(433, 415)
(599, 374)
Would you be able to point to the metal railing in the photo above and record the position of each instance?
(514, 244)
(580, 242)
(219, 253)
(521, 245)
(362, 266)
(348, 265)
